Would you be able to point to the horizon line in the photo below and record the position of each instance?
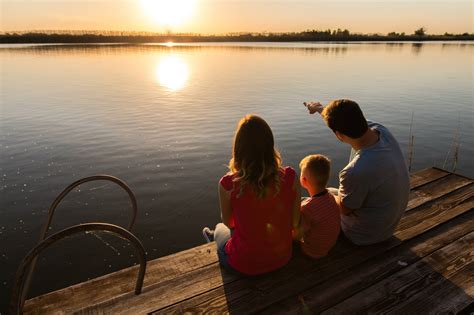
(78, 32)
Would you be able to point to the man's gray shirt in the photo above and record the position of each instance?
(376, 184)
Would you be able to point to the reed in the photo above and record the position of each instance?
(411, 142)
(455, 147)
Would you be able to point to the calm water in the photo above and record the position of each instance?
(162, 119)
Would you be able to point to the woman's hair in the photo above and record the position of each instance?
(255, 161)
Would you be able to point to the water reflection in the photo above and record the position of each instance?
(172, 72)
(302, 48)
(416, 48)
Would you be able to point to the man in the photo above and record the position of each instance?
(374, 186)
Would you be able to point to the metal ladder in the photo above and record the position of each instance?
(27, 266)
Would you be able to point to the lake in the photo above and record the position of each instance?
(162, 118)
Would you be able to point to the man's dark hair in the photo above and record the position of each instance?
(346, 117)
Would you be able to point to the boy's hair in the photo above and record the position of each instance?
(346, 117)
(319, 167)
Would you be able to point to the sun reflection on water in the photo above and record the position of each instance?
(172, 73)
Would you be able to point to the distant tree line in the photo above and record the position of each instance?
(85, 36)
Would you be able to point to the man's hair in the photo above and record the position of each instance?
(346, 117)
(319, 166)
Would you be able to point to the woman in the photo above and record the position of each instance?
(259, 202)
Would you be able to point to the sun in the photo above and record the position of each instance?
(169, 12)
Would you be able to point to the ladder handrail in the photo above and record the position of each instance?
(63, 194)
(18, 295)
(81, 181)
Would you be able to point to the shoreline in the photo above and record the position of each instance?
(40, 38)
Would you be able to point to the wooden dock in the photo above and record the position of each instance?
(426, 267)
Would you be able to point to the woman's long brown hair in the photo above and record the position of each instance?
(255, 160)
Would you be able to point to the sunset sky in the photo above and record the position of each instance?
(223, 16)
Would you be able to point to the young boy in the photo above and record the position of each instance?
(320, 219)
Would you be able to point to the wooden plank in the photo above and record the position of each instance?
(244, 287)
(353, 280)
(417, 282)
(435, 213)
(448, 296)
(165, 293)
(250, 295)
(468, 310)
(436, 189)
(426, 176)
(123, 281)
(295, 279)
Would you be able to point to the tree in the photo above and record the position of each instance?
(420, 32)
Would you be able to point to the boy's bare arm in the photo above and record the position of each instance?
(296, 204)
(296, 214)
(298, 233)
(303, 228)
